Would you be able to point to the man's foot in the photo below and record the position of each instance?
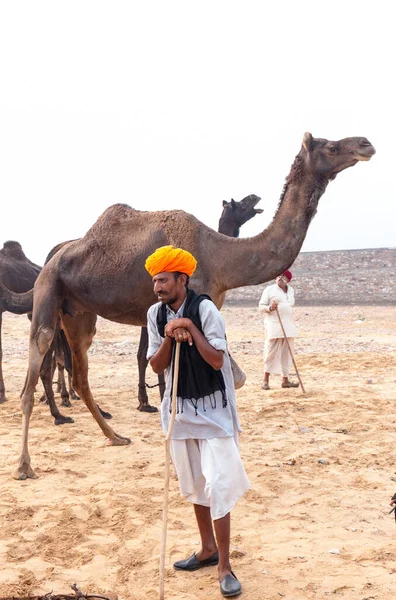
(193, 563)
(265, 386)
(230, 586)
(290, 384)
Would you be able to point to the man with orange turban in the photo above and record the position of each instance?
(204, 446)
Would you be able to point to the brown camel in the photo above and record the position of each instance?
(234, 215)
(16, 273)
(103, 273)
(19, 274)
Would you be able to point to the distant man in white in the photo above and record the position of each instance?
(277, 357)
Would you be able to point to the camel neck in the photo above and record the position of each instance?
(263, 257)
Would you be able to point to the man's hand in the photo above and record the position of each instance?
(180, 334)
(176, 324)
(273, 305)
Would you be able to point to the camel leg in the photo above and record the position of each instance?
(2, 388)
(79, 331)
(45, 314)
(144, 405)
(46, 374)
(59, 380)
(59, 360)
(43, 398)
(63, 389)
(65, 358)
(72, 391)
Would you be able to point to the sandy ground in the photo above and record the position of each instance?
(315, 522)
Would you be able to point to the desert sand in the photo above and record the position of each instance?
(315, 523)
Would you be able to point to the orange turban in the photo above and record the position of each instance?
(169, 260)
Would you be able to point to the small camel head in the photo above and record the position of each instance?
(242, 211)
(324, 158)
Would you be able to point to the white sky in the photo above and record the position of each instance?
(182, 104)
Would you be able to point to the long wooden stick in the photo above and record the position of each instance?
(290, 350)
(167, 473)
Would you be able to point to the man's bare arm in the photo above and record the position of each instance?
(162, 358)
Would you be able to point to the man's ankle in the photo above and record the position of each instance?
(206, 552)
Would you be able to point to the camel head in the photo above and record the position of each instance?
(242, 211)
(325, 159)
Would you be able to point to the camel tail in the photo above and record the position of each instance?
(18, 304)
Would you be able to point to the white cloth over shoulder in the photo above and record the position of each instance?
(215, 422)
(285, 309)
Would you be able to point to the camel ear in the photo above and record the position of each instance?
(225, 203)
(233, 202)
(307, 141)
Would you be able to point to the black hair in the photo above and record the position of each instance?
(177, 275)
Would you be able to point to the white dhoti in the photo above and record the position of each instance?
(277, 357)
(210, 473)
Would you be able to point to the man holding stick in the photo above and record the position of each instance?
(204, 439)
(278, 298)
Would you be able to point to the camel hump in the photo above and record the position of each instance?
(119, 214)
(56, 249)
(121, 228)
(13, 249)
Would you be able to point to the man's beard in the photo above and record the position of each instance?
(166, 299)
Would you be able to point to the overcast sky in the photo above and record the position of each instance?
(166, 105)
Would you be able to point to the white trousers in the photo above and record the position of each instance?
(277, 357)
(210, 473)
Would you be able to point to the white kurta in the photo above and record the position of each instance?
(214, 422)
(204, 446)
(285, 308)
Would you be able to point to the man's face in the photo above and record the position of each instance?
(282, 281)
(169, 289)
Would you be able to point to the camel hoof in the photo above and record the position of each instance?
(74, 396)
(147, 408)
(24, 473)
(61, 420)
(66, 402)
(3, 399)
(118, 440)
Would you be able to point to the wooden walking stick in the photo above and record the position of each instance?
(167, 472)
(290, 350)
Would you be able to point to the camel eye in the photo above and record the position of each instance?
(333, 149)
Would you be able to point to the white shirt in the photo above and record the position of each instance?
(285, 309)
(218, 422)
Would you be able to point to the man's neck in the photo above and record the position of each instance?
(176, 305)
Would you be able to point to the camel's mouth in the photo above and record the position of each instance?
(256, 200)
(363, 157)
(365, 151)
